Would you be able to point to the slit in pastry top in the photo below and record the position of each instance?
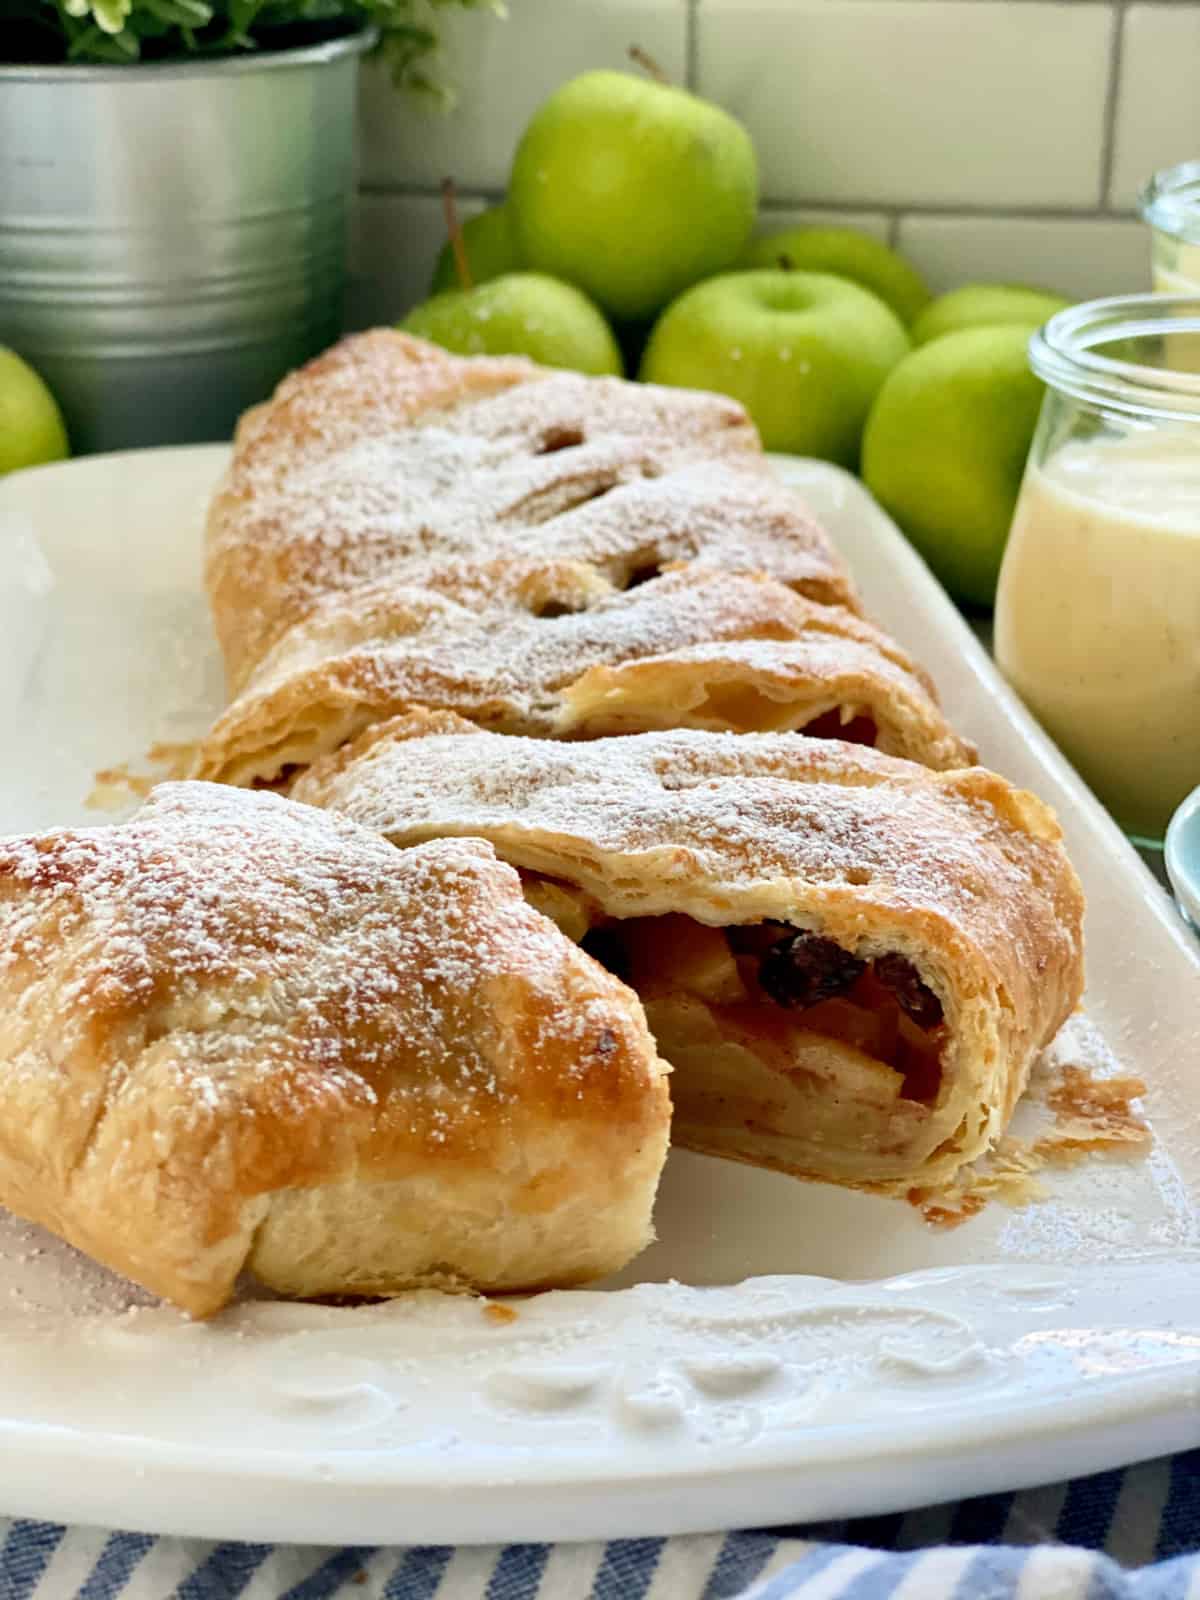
(556, 650)
(386, 453)
(850, 961)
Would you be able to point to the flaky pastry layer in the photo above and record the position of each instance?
(554, 650)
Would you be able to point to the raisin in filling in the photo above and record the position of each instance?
(803, 970)
(914, 997)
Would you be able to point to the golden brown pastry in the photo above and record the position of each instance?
(552, 650)
(851, 961)
(239, 1033)
(386, 454)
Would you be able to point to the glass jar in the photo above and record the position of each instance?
(1170, 203)
(1098, 608)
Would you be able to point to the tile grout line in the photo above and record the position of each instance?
(1108, 147)
(893, 210)
(427, 191)
(1006, 213)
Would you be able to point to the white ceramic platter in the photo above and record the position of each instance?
(846, 1358)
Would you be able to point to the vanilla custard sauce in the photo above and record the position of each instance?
(1098, 616)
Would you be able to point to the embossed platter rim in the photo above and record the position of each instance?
(995, 1410)
(455, 1435)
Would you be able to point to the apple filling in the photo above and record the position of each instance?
(775, 1033)
(788, 995)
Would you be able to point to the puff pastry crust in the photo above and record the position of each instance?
(237, 1033)
(385, 455)
(553, 650)
(851, 961)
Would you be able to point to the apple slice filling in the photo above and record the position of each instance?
(870, 1030)
(743, 1010)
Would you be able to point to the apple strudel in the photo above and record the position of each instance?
(850, 961)
(237, 1033)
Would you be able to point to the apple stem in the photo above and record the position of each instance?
(646, 61)
(786, 264)
(454, 228)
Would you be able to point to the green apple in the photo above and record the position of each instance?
(804, 352)
(986, 305)
(490, 248)
(846, 253)
(31, 425)
(945, 448)
(633, 190)
(521, 314)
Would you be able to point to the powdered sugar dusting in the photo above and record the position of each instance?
(734, 810)
(286, 957)
(41, 1273)
(507, 648)
(326, 493)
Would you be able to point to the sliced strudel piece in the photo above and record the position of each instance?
(552, 650)
(851, 961)
(236, 1032)
(386, 453)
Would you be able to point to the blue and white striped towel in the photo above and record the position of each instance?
(1117, 1536)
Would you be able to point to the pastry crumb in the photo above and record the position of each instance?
(498, 1312)
(115, 787)
(1083, 1103)
(1093, 1113)
(938, 1215)
(1006, 1173)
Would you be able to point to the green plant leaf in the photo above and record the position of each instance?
(116, 30)
(97, 44)
(184, 13)
(110, 14)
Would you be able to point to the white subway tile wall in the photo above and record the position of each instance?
(934, 102)
(1075, 257)
(1158, 103)
(1000, 139)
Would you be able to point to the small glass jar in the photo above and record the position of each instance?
(1170, 203)
(1098, 608)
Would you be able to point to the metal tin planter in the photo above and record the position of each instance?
(172, 236)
